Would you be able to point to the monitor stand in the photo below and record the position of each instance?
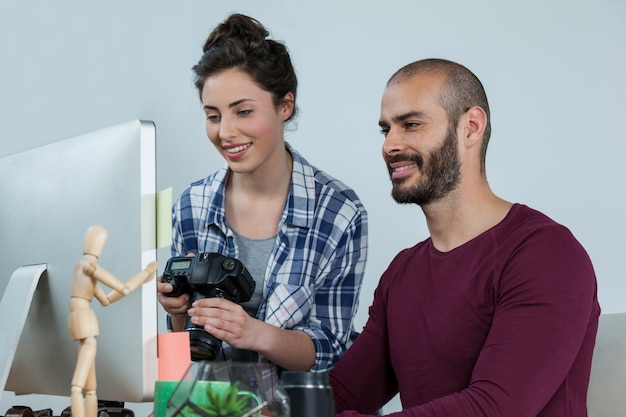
(15, 304)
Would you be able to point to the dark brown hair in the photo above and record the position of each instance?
(240, 42)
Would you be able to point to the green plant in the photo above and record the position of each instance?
(227, 403)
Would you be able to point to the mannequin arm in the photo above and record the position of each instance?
(98, 292)
(106, 278)
(135, 282)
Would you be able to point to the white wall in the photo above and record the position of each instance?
(553, 71)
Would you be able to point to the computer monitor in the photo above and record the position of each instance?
(50, 196)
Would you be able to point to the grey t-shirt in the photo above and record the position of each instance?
(255, 255)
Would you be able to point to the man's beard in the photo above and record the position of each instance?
(440, 174)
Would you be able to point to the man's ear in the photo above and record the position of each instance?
(286, 108)
(475, 122)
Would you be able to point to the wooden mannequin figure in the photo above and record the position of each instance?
(82, 320)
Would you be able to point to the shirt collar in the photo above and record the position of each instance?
(300, 202)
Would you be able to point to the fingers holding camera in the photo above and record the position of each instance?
(226, 320)
(176, 307)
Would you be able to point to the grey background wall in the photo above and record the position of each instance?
(554, 73)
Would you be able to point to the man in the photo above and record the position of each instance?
(496, 313)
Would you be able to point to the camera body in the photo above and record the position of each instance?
(207, 275)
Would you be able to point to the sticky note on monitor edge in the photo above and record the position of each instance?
(164, 218)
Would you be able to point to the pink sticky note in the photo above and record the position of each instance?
(174, 355)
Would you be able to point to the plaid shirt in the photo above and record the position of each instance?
(314, 274)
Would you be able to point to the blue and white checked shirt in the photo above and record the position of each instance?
(313, 278)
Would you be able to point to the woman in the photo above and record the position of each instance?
(301, 233)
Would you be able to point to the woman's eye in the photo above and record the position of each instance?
(213, 118)
(244, 113)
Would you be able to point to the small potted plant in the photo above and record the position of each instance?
(218, 399)
(228, 389)
(226, 400)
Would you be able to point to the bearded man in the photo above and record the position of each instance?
(496, 313)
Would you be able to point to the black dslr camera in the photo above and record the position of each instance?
(207, 275)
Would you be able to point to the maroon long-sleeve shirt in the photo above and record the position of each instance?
(503, 325)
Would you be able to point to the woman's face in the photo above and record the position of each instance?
(242, 122)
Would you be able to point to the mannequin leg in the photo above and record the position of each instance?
(91, 398)
(84, 363)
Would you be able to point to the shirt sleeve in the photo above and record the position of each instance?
(368, 359)
(184, 226)
(330, 324)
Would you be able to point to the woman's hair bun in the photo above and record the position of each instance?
(243, 43)
(237, 26)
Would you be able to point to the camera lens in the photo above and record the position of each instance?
(203, 345)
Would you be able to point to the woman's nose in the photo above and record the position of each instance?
(227, 128)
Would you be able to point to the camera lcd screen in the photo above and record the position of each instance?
(180, 264)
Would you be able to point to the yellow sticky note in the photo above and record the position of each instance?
(164, 218)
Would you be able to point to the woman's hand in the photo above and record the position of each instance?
(176, 307)
(227, 321)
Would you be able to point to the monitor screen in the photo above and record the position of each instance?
(51, 195)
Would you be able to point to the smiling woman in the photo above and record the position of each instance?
(242, 121)
(301, 233)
